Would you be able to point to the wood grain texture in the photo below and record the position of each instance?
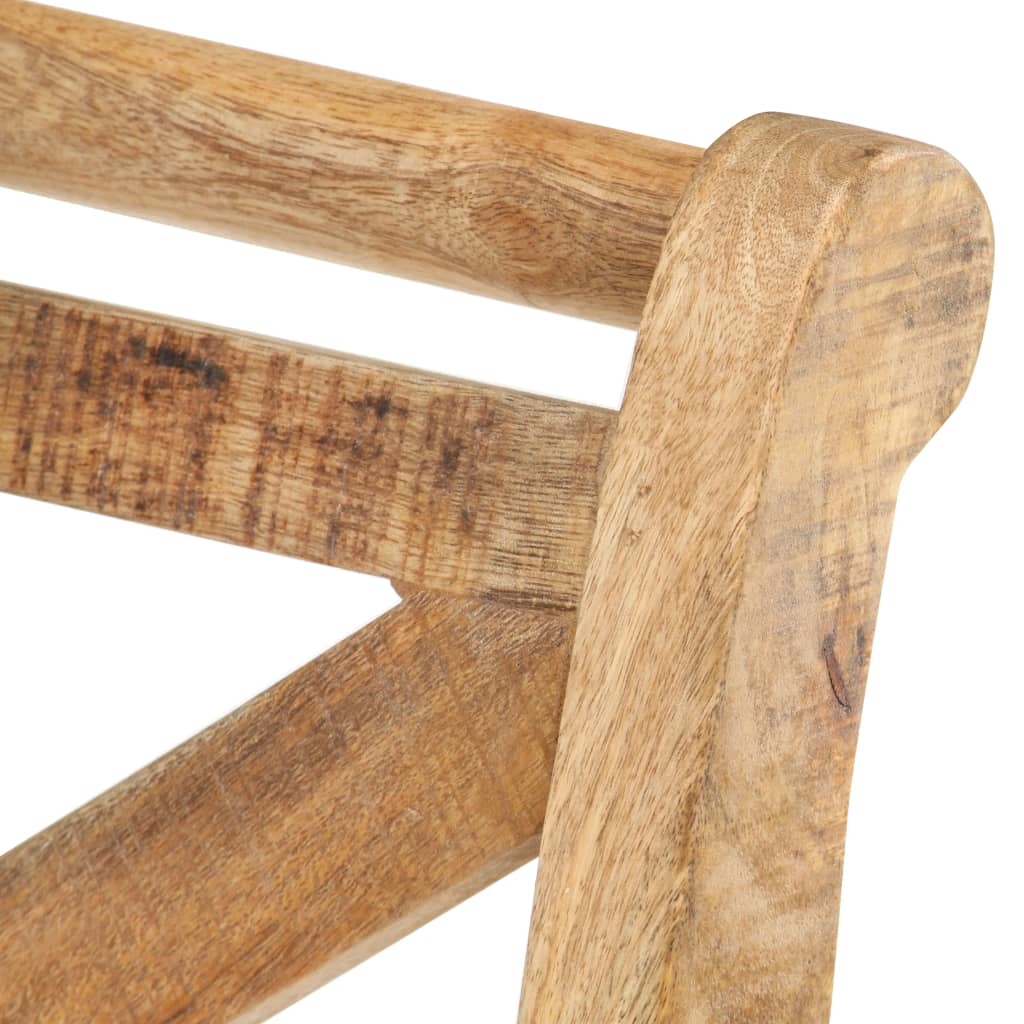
(379, 785)
(437, 483)
(820, 300)
(507, 203)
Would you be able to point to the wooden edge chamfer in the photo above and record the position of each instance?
(384, 782)
(819, 302)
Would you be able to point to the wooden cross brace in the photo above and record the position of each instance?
(646, 632)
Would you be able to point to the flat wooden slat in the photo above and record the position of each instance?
(521, 206)
(820, 303)
(382, 783)
(434, 482)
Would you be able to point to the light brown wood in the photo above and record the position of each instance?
(819, 300)
(382, 783)
(814, 316)
(435, 482)
(515, 205)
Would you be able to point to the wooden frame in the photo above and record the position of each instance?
(695, 579)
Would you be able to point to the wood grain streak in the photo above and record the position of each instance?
(380, 784)
(437, 483)
(820, 300)
(516, 205)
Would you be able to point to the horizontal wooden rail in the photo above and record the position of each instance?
(376, 787)
(520, 206)
(434, 482)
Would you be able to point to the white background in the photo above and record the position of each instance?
(118, 641)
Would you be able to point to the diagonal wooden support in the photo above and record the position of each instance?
(379, 785)
(819, 302)
(431, 481)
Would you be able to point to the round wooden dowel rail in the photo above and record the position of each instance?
(490, 199)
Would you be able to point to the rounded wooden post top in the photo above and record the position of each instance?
(814, 317)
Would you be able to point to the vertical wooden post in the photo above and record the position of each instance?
(814, 317)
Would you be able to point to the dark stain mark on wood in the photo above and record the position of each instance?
(210, 374)
(835, 674)
(109, 366)
(450, 457)
(323, 458)
(380, 405)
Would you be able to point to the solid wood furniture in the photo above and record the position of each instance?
(695, 579)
